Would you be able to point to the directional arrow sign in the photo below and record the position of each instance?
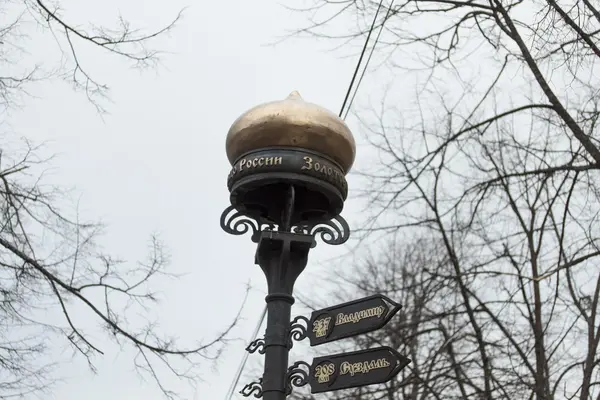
(350, 319)
(359, 368)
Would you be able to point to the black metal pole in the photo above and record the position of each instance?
(282, 256)
(276, 349)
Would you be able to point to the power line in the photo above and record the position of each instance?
(362, 75)
(240, 370)
(360, 59)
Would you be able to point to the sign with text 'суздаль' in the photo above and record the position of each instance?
(358, 368)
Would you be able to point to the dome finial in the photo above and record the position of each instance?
(289, 149)
(292, 123)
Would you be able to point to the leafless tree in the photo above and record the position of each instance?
(50, 261)
(493, 157)
(414, 274)
(501, 300)
(72, 37)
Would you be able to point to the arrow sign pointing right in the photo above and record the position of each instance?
(358, 368)
(350, 319)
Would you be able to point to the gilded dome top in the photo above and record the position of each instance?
(292, 122)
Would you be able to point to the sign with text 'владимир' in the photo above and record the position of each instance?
(358, 368)
(350, 319)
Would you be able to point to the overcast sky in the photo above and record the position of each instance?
(157, 163)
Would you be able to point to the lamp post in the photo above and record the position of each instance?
(287, 185)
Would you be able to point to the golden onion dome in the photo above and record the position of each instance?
(292, 122)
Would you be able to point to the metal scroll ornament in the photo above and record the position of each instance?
(235, 222)
(297, 376)
(258, 344)
(298, 331)
(335, 231)
(253, 389)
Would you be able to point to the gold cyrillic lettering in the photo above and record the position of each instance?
(308, 161)
(357, 316)
(277, 161)
(363, 367)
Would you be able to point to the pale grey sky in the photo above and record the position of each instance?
(157, 163)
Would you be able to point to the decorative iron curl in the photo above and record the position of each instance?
(297, 331)
(335, 231)
(235, 222)
(296, 376)
(253, 389)
(258, 344)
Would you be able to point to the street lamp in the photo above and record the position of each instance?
(287, 185)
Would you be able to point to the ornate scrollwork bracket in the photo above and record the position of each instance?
(235, 222)
(335, 231)
(298, 330)
(258, 344)
(296, 376)
(253, 389)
